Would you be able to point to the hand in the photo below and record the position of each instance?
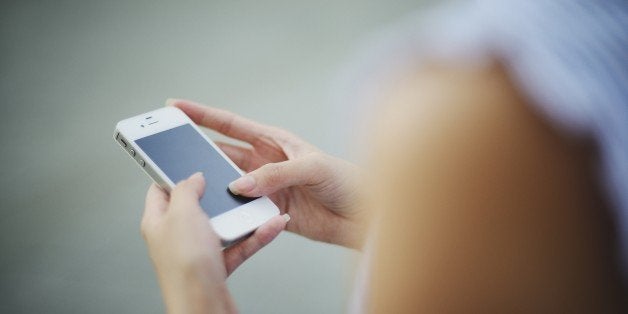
(187, 255)
(317, 190)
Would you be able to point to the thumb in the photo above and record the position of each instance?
(276, 176)
(189, 191)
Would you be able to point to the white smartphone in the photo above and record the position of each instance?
(169, 147)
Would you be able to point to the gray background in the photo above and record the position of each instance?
(71, 200)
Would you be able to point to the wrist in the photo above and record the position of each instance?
(196, 293)
(353, 235)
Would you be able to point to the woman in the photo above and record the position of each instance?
(497, 177)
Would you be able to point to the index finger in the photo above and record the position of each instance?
(222, 121)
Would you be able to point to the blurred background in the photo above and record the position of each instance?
(71, 200)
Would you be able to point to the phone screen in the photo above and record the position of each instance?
(181, 151)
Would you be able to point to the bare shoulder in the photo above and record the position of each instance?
(482, 204)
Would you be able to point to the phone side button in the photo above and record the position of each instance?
(142, 162)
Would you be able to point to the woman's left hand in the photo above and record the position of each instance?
(189, 261)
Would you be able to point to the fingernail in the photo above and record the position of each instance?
(170, 101)
(242, 185)
(286, 217)
(197, 175)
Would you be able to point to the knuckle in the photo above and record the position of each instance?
(314, 157)
(239, 254)
(179, 189)
(263, 238)
(277, 132)
(316, 165)
(284, 135)
(281, 136)
(316, 161)
(273, 174)
(227, 124)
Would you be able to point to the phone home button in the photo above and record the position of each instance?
(246, 217)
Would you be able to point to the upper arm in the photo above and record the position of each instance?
(481, 205)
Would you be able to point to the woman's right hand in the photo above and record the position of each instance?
(318, 191)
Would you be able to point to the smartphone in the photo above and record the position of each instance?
(169, 147)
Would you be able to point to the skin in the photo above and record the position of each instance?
(477, 205)
(483, 208)
(319, 191)
(315, 191)
(186, 253)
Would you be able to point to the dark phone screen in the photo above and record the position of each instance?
(181, 151)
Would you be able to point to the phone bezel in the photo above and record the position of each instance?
(230, 225)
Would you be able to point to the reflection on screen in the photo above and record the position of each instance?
(180, 152)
